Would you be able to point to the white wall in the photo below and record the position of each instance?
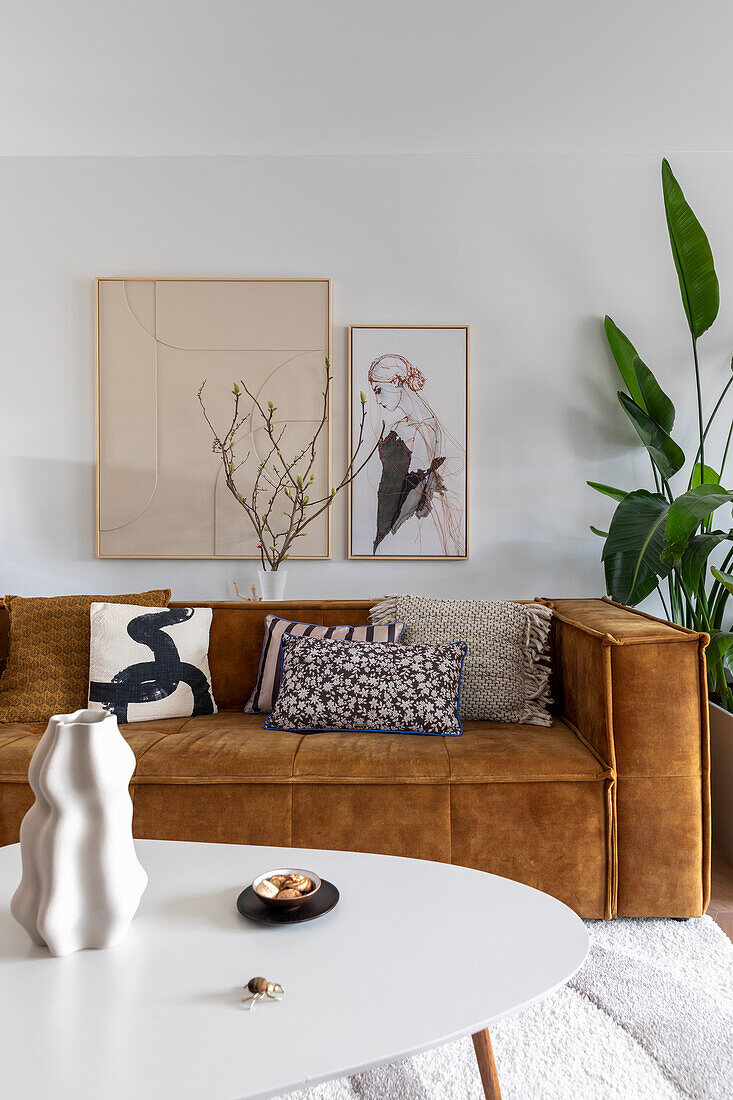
(530, 248)
(293, 77)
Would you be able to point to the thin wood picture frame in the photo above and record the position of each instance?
(99, 284)
(405, 374)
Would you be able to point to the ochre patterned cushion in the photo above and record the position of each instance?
(48, 661)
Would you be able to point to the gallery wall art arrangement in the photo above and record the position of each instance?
(161, 493)
(162, 488)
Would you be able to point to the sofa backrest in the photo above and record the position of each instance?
(4, 635)
(237, 630)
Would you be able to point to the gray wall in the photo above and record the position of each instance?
(525, 202)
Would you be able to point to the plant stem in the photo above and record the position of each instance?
(717, 675)
(718, 403)
(722, 597)
(656, 477)
(689, 604)
(664, 605)
(725, 452)
(699, 411)
(673, 601)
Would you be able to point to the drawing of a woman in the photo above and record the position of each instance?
(413, 456)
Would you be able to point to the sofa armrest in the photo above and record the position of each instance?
(634, 688)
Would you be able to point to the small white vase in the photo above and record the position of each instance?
(272, 584)
(82, 881)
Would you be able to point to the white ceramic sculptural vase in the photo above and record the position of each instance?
(82, 881)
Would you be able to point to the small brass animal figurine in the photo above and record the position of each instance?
(259, 988)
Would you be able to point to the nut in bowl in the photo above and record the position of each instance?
(286, 887)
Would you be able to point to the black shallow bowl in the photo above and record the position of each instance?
(323, 901)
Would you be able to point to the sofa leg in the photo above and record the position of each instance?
(486, 1065)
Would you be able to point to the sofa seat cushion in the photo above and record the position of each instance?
(370, 757)
(487, 752)
(508, 753)
(233, 747)
(18, 741)
(219, 748)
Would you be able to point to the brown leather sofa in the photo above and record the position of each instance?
(608, 809)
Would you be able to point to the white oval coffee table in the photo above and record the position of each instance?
(415, 954)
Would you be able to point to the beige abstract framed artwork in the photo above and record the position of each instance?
(160, 493)
(411, 499)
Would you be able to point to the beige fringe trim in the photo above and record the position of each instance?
(385, 611)
(538, 667)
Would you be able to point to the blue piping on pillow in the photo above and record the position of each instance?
(341, 729)
(276, 688)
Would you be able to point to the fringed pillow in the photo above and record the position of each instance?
(506, 677)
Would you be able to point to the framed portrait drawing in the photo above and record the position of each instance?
(160, 488)
(411, 499)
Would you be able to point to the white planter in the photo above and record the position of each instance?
(81, 882)
(721, 778)
(272, 584)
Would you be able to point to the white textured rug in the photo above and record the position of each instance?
(648, 1017)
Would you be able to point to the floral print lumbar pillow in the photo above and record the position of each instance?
(368, 686)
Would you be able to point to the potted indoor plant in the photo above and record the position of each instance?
(284, 497)
(664, 538)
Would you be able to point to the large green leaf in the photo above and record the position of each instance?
(632, 555)
(655, 402)
(698, 550)
(726, 579)
(685, 514)
(711, 476)
(719, 648)
(693, 257)
(665, 454)
(607, 490)
(624, 353)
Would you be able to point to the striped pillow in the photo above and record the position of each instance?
(262, 699)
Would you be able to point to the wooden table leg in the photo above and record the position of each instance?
(486, 1065)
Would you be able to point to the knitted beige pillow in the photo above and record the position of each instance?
(506, 673)
(48, 661)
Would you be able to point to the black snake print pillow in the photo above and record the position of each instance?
(146, 663)
(368, 686)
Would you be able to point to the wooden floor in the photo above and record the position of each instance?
(721, 894)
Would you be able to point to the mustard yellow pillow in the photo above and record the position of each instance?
(47, 670)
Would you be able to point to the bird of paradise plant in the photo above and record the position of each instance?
(661, 540)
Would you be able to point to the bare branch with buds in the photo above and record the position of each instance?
(282, 486)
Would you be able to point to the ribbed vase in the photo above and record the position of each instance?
(82, 881)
